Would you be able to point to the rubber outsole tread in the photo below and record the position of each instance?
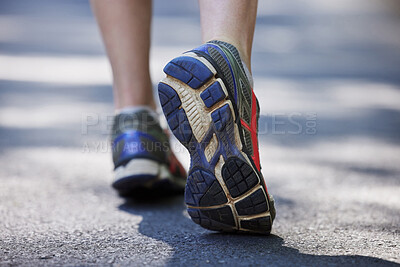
(220, 219)
(214, 203)
(188, 70)
(176, 117)
(180, 126)
(213, 94)
(261, 225)
(221, 117)
(169, 98)
(253, 204)
(202, 189)
(239, 177)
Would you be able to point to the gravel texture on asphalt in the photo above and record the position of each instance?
(327, 74)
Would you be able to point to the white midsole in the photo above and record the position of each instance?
(138, 167)
(147, 167)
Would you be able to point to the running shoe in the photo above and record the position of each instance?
(144, 164)
(208, 101)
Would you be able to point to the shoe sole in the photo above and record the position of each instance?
(223, 191)
(144, 175)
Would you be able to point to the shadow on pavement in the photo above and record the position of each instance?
(165, 221)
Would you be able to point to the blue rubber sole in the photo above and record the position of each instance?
(223, 191)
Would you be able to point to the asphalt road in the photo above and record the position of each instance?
(327, 74)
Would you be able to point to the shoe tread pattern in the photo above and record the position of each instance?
(254, 204)
(188, 70)
(260, 225)
(239, 177)
(203, 190)
(220, 219)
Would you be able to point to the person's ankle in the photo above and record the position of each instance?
(133, 109)
(129, 104)
(140, 113)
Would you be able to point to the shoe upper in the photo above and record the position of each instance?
(226, 59)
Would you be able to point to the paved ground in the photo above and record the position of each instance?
(328, 77)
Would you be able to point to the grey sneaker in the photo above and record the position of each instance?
(143, 160)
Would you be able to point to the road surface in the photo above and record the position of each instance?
(327, 74)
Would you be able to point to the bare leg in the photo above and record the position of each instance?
(125, 27)
(231, 21)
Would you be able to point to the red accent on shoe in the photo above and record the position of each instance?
(245, 124)
(254, 137)
(253, 130)
(172, 163)
(175, 167)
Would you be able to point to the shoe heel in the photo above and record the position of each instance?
(249, 197)
(137, 172)
(241, 206)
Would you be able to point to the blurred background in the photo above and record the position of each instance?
(327, 74)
